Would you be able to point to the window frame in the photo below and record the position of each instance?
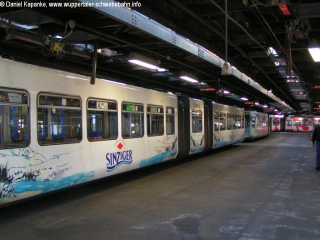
(131, 112)
(6, 141)
(172, 122)
(103, 109)
(152, 113)
(54, 140)
(195, 116)
(223, 121)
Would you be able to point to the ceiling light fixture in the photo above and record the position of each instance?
(314, 50)
(189, 79)
(143, 64)
(143, 61)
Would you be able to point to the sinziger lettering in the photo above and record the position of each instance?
(115, 159)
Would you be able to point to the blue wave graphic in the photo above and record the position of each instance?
(197, 149)
(156, 159)
(47, 186)
(221, 143)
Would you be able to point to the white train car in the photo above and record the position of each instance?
(228, 125)
(57, 130)
(257, 125)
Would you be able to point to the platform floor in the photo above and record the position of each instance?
(265, 189)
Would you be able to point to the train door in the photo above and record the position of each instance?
(197, 137)
(216, 127)
(208, 125)
(183, 126)
(275, 124)
(250, 124)
(220, 136)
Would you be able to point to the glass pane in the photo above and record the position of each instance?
(170, 125)
(102, 120)
(59, 119)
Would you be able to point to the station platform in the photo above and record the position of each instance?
(263, 189)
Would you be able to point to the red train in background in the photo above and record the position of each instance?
(293, 123)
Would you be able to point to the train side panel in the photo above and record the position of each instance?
(191, 126)
(257, 125)
(65, 136)
(276, 124)
(197, 138)
(299, 124)
(228, 125)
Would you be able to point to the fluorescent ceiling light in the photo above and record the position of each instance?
(314, 50)
(244, 99)
(189, 79)
(315, 53)
(25, 27)
(143, 61)
(162, 70)
(272, 52)
(143, 64)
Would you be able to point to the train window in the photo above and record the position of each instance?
(258, 121)
(296, 123)
(289, 123)
(242, 121)
(229, 121)
(234, 121)
(253, 122)
(247, 121)
(216, 121)
(223, 121)
(306, 123)
(14, 119)
(132, 120)
(59, 119)
(275, 122)
(170, 121)
(196, 121)
(155, 120)
(238, 122)
(102, 120)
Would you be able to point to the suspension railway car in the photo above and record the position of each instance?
(294, 123)
(276, 123)
(57, 130)
(256, 125)
(300, 124)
